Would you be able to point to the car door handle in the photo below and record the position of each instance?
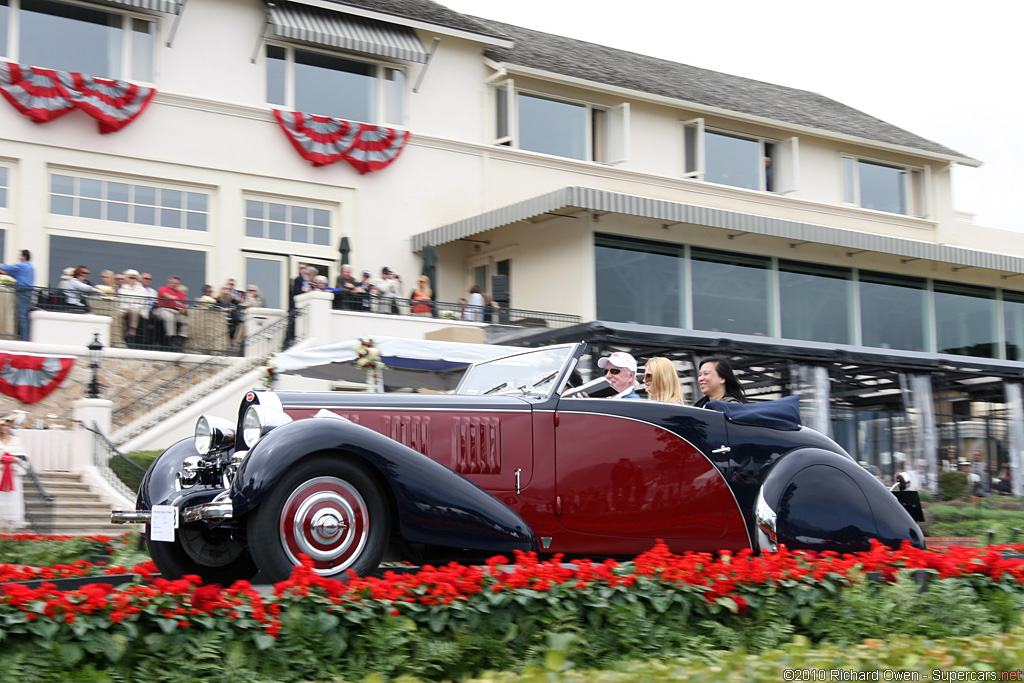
(721, 450)
(518, 472)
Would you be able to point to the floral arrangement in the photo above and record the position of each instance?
(269, 372)
(447, 622)
(368, 355)
(368, 358)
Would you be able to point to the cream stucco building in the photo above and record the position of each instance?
(600, 183)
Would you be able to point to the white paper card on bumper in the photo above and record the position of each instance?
(161, 523)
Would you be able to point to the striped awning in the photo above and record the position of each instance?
(345, 31)
(165, 6)
(676, 212)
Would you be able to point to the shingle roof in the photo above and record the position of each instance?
(620, 68)
(426, 11)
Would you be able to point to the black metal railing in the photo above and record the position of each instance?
(153, 324)
(120, 471)
(494, 313)
(149, 408)
(38, 502)
(214, 329)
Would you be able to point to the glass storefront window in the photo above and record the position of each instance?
(731, 292)
(816, 302)
(1013, 321)
(640, 282)
(965, 320)
(894, 311)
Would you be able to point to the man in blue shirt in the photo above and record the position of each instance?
(24, 274)
(620, 371)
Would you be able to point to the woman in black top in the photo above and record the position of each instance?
(718, 383)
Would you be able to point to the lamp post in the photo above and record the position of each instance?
(95, 354)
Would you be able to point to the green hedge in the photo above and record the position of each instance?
(452, 622)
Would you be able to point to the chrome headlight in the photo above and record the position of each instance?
(259, 421)
(213, 434)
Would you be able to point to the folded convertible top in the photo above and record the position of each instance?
(781, 414)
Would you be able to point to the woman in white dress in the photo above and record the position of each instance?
(12, 469)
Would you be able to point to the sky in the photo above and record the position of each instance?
(947, 71)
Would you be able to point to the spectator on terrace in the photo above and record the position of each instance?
(422, 297)
(388, 286)
(77, 287)
(171, 309)
(108, 285)
(475, 310)
(252, 299)
(133, 303)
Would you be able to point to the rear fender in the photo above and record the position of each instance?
(819, 500)
(434, 504)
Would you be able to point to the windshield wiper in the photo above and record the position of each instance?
(497, 388)
(545, 380)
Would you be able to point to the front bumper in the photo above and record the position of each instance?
(195, 513)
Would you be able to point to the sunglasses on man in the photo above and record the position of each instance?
(612, 371)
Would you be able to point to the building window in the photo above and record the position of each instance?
(72, 37)
(731, 292)
(885, 187)
(562, 128)
(1013, 321)
(965, 320)
(640, 281)
(738, 160)
(5, 186)
(894, 311)
(287, 222)
(129, 203)
(330, 85)
(816, 302)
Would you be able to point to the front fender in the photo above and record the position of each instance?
(435, 505)
(820, 500)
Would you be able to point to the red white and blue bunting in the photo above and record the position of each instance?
(322, 140)
(30, 378)
(47, 94)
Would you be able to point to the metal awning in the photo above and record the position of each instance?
(165, 6)
(345, 31)
(602, 201)
(860, 376)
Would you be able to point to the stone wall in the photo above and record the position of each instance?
(125, 381)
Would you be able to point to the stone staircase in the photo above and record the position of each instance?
(74, 511)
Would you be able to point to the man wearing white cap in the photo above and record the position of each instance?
(620, 371)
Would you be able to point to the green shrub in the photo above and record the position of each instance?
(131, 476)
(953, 485)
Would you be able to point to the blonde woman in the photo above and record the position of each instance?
(662, 382)
(422, 297)
(109, 285)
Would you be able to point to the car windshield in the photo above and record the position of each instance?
(532, 373)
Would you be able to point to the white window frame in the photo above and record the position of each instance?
(610, 145)
(918, 182)
(148, 182)
(785, 160)
(127, 32)
(380, 104)
(269, 244)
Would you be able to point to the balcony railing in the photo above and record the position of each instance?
(496, 315)
(215, 330)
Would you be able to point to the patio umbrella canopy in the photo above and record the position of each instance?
(428, 364)
(344, 249)
(430, 258)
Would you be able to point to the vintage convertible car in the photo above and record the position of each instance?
(505, 463)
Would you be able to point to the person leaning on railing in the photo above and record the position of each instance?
(76, 289)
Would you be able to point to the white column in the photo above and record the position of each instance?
(316, 321)
(90, 411)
